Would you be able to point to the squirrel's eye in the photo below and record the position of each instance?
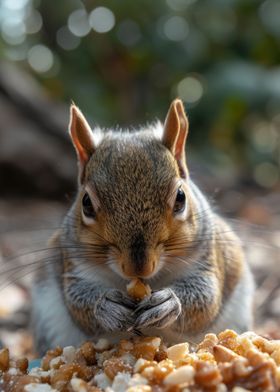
(180, 201)
(88, 209)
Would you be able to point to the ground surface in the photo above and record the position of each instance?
(26, 225)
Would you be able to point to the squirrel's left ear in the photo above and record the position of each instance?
(175, 134)
(82, 137)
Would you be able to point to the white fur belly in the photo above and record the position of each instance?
(238, 310)
(51, 316)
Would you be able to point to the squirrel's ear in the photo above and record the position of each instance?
(82, 137)
(175, 133)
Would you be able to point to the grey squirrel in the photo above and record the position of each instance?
(137, 214)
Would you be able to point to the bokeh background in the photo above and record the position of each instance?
(122, 62)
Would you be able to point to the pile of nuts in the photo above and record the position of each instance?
(220, 363)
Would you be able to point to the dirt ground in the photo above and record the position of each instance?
(26, 225)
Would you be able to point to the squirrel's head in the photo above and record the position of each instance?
(133, 200)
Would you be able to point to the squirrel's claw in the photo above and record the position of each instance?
(160, 310)
(120, 298)
(113, 311)
(157, 298)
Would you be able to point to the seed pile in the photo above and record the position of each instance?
(224, 362)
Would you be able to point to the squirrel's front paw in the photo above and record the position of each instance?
(159, 310)
(114, 311)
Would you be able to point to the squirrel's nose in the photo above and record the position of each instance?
(139, 260)
(138, 252)
(132, 270)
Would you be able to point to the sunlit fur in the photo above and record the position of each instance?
(198, 259)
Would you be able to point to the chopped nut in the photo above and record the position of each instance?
(4, 359)
(139, 388)
(228, 338)
(43, 375)
(35, 387)
(22, 382)
(241, 367)
(49, 356)
(223, 354)
(227, 362)
(102, 345)
(79, 385)
(137, 379)
(102, 380)
(177, 352)
(138, 289)
(276, 356)
(156, 372)
(121, 382)
(255, 357)
(88, 351)
(56, 362)
(243, 345)
(182, 375)
(205, 356)
(114, 366)
(207, 375)
(265, 345)
(148, 372)
(161, 353)
(162, 370)
(22, 364)
(227, 373)
(210, 340)
(63, 375)
(140, 364)
(146, 348)
(68, 354)
(125, 346)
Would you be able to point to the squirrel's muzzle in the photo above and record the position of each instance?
(140, 262)
(138, 253)
(130, 271)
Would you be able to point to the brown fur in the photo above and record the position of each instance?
(133, 182)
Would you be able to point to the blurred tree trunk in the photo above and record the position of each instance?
(36, 156)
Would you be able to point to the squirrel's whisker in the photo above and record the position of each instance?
(11, 279)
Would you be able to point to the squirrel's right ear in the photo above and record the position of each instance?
(175, 134)
(82, 137)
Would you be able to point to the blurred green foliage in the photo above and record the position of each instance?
(123, 61)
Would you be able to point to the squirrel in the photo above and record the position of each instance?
(137, 214)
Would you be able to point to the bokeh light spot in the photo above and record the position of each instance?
(265, 137)
(40, 58)
(66, 40)
(33, 22)
(190, 89)
(176, 28)
(13, 30)
(78, 23)
(15, 4)
(102, 19)
(266, 174)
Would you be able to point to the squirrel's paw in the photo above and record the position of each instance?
(159, 310)
(114, 311)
